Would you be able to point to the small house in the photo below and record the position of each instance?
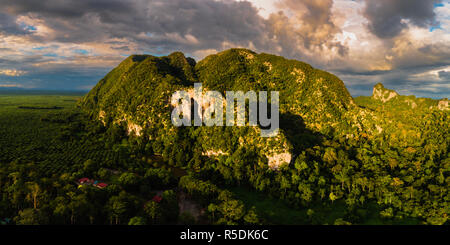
(101, 185)
(157, 199)
(83, 180)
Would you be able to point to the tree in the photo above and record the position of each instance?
(170, 206)
(103, 173)
(212, 208)
(251, 217)
(333, 197)
(153, 210)
(231, 210)
(341, 221)
(129, 180)
(158, 178)
(61, 211)
(89, 166)
(30, 216)
(137, 221)
(117, 208)
(34, 193)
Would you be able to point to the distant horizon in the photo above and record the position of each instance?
(41, 90)
(86, 91)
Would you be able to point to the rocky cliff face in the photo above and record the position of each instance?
(393, 99)
(382, 94)
(443, 105)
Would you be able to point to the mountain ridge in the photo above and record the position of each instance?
(383, 97)
(314, 104)
(136, 93)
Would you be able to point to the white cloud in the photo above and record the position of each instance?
(12, 72)
(10, 85)
(265, 7)
(432, 75)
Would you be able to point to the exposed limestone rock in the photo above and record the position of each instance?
(443, 105)
(383, 94)
(379, 129)
(214, 153)
(247, 54)
(134, 128)
(269, 65)
(101, 117)
(278, 159)
(412, 104)
(299, 74)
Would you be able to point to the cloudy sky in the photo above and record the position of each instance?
(71, 44)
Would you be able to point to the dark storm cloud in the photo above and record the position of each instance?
(444, 75)
(8, 25)
(399, 81)
(189, 25)
(22, 61)
(157, 26)
(124, 48)
(304, 25)
(78, 21)
(356, 72)
(428, 56)
(386, 17)
(167, 24)
(68, 9)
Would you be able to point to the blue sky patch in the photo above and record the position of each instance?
(27, 27)
(81, 51)
(436, 27)
(50, 55)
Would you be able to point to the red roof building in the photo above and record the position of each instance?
(157, 199)
(83, 180)
(101, 185)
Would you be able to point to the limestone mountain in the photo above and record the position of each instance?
(386, 98)
(400, 119)
(383, 94)
(313, 104)
(136, 95)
